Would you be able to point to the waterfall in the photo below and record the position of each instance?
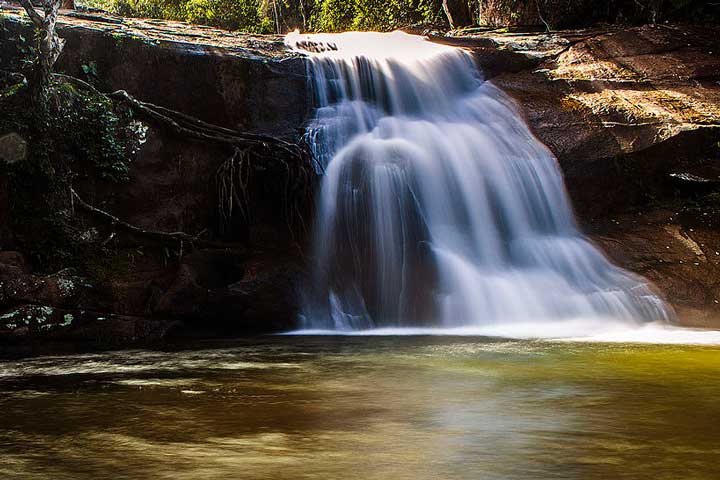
(438, 206)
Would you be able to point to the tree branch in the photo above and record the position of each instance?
(32, 13)
(537, 5)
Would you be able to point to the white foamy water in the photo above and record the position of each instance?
(440, 211)
(585, 330)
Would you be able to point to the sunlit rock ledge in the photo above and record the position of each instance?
(620, 108)
(632, 115)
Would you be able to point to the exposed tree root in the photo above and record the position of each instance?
(188, 126)
(251, 153)
(173, 237)
(232, 178)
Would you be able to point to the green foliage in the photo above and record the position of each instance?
(90, 70)
(244, 15)
(94, 132)
(26, 51)
(11, 90)
(263, 16)
(339, 15)
(333, 15)
(87, 135)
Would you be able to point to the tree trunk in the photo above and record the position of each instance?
(49, 48)
(458, 13)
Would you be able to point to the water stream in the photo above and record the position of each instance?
(404, 408)
(439, 208)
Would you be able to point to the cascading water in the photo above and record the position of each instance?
(438, 206)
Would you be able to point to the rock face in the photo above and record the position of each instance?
(620, 109)
(141, 295)
(239, 81)
(631, 114)
(42, 311)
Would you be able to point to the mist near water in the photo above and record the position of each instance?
(440, 210)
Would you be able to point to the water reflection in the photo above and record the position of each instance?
(366, 408)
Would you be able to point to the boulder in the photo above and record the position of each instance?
(232, 292)
(13, 148)
(268, 295)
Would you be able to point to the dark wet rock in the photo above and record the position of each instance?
(233, 293)
(268, 295)
(185, 297)
(13, 148)
(13, 263)
(40, 329)
(677, 249)
(60, 290)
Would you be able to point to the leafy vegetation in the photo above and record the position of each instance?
(97, 131)
(337, 15)
(268, 16)
(86, 135)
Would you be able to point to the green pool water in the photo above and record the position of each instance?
(366, 408)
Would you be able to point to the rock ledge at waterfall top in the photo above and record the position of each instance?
(248, 82)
